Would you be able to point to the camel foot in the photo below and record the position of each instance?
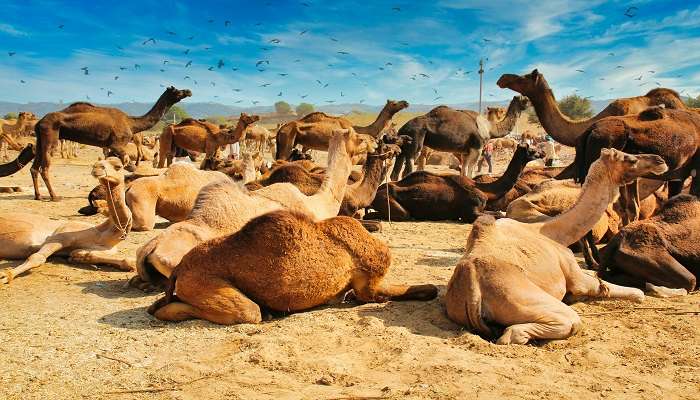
(372, 226)
(138, 283)
(56, 198)
(5, 277)
(157, 305)
(664, 292)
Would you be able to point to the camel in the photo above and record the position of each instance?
(35, 237)
(148, 148)
(314, 130)
(95, 126)
(302, 264)
(257, 137)
(515, 275)
(223, 207)
(567, 131)
(660, 253)
(462, 133)
(670, 133)
(426, 196)
(171, 195)
(200, 136)
(10, 132)
(527, 181)
(505, 144)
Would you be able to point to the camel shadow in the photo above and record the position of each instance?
(438, 261)
(114, 289)
(139, 319)
(14, 197)
(420, 318)
(162, 225)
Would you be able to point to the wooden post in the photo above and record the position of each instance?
(481, 81)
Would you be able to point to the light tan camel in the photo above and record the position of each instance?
(170, 195)
(567, 131)
(223, 207)
(35, 237)
(256, 138)
(516, 274)
(300, 264)
(314, 130)
(200, 136)
(10, 132)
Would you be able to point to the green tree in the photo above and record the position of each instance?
(304, 108)
(11, 115)
(282, 107)
(693, 102)
(575, 107)
(176, 112)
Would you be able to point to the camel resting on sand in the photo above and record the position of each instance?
(515, 274)
(660, 253)
(301, 264)
(223, 207)
(36, 237)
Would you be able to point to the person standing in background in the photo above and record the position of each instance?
(486, 154)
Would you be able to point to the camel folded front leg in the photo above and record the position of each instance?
(33, 261)
(581, 285)
(370, 289)
(103, 257)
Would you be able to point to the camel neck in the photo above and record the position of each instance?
(506, 125)
(597, 193)
(148, 120)
(374, 172)
(119, 214)
(337, 173)
(376, 127)
(498, 188)
(555, 123)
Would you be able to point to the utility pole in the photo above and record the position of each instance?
(481, 81)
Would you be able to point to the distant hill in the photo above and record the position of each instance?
(201, 110)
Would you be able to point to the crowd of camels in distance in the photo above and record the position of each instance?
(249, 236)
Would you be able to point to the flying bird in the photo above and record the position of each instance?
(116, 77)
(631, 11)
(651, 72)
(123, 68)
(265, 85)
(109, 93)
(186, 52)
(362, 101)
(211, 21)
(619, 67)
(23, 81)
(190, 38)
(639, 78)
(588, 97)
(424, 75)
(137, 66)
(611, 54)
(437, 98)
(486, 40)
(259, 63)
(396, 8)
(165, 62)
(435, 90)
(85, 70)
(234, 68)
(302, 32)
(210, 69)
(227, 23)
(330, 101)
(343, 52)
(304, 96)
(334, 39)
(171, 33)
(326, 85)
(189, 64)
(306, 4)
(149, 40)
(61, 26)
(213, 83)
(239, 101)
(220, 64)
(255, 102)
(580, 70)
(162, 70)
(279, 94)
(275, 41)
(282, 74)
(319, 82)
(11, 53)
(236, 90)
(186, 77)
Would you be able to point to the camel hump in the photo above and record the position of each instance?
(652, 113)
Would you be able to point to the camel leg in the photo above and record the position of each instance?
(394, 210)
(629, 199)
(590, 251)
(35, 182)
(47, 181)
(398, 163)
(213, 299)
(556, 321)
(104, 257)
(143, 211)
(654, 265)
(33, 261)
(582, 285)
(469, 162)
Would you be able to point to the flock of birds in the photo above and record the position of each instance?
(263, 64)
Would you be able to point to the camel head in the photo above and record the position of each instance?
(355, 143)
(495, 113)
(110, 170)
(519, 104)
(527, 85)
(395, 106)
(174, 95)
(531, 153)
(247, 120)
(625, 168)
(25, 116)
(298, 155)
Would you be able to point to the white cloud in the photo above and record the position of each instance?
(11, 30)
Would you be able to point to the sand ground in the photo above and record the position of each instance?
(78, 332)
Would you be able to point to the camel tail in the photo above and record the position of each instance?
(463, 299)
(146, 271)
(24, 157)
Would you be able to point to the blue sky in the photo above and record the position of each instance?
(389, 44)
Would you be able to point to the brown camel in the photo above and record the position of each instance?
(527, 181)
(223, 207)
(95, 126)
(301, 264)
(200, 136)
(314, 130)
(567, 131)
(461, 132)
(515, 275)
(660, 253)
(35, 237)
(426, 196)
(257, 138)
(672, 134)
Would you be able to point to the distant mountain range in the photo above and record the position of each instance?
(201, 110)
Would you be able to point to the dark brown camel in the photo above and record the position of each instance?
(672, 134)
(300, 264)
(527, 180)
(461, 132)
(663, 250)
(95, 126)
(426, 196)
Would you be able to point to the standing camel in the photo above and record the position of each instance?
(95, 126)
(460, 132)
(200, 136)
(10, 132)
(567, 131)
(314, 130)
(515, 275)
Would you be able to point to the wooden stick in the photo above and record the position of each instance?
(146, 390)
(683, 313)
(114, 359)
